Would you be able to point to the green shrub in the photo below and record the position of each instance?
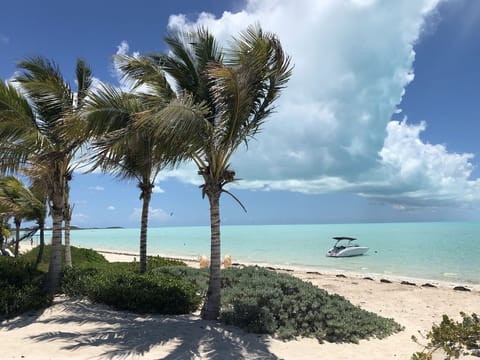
(80, 257)
(453, 337)
(127, 290)
(21, 287)
(77, 281)
(262, 301)
(157, 262)
(196, 277)
(153, 262)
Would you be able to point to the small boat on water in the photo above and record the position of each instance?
(344, 247)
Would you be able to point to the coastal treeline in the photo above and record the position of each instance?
(215, 100)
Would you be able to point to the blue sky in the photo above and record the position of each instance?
(379, 121)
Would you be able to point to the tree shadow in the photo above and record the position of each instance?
(125, 334)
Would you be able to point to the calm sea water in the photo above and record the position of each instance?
(438, 251)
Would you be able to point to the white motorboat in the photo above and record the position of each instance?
(344, 247)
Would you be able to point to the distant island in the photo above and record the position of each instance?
(73, 227)
(96, 228)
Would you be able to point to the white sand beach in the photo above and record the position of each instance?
(76, 329)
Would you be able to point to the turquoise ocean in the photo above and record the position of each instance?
(445, 251)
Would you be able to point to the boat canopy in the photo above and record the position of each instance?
(338, 238)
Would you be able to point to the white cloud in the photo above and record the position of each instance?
(123, 48)
(111, 208)
(126, 85)
(154, 215)
(423, 173)
(96, 188)
(332, 130)
(157, 189)
(352, 62)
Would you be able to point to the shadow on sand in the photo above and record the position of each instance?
(123, 335)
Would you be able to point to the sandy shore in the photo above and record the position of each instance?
(78, 330)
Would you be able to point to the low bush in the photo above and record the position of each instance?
(21, 287)
(196, 277)
(127, 290)
(453, 337)
(263, 301)
(80, 257)
(153, 262)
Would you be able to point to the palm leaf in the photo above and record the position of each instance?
(84, 80)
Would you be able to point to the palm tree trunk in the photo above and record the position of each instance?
(55, 267)
(146, 196)
(42, 244)
(68, 218)
(211, 308)
(18, 222)
(57, 202)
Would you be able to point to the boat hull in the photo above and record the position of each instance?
(347, 252)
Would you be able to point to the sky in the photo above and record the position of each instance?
(379, 121)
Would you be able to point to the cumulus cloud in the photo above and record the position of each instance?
(96, 188)
(423, 173)
(352, 59)
(111, 208)
(332, 130)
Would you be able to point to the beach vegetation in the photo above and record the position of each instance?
(454, 338)
(266, 302)
(21, 287)
(196, 277)
(124, 288)
(235, 90)
(255, 299)
(33, 117)
(263, 301)
(80, 257)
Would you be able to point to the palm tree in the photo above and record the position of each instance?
(123, 148)
(32, 133)
(10, 188)
(25, 203)
(238, 87)
(4, 228)
(38, 190)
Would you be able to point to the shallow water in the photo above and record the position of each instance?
(438, 251)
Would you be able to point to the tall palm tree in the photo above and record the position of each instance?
(238, 87)
(32, 123)
(128, 151)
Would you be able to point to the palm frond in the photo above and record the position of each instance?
(245, 88)
(45, 87)
(109, 109)
(145, 71)
(18, 199)
(84, 80)
(181, 127)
